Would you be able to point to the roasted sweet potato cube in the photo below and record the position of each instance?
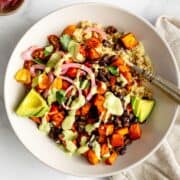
(92, 158)
(122, 131)
(106, 129)
(135, 131)
(111, 159)
(104, 149)
(117, 140)
(129, 40)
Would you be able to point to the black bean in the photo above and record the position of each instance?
(104, 60)
(127, 141)
(118, 123)
(113, 58)
(134, 119)
(102, 76)
(111, 30)
(54, 132)
(126, 121)
(122, 151)
(131, 116)
(106, 43)
(117, 47)
(93, 112)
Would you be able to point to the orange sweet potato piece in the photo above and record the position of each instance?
(111, 159)
(104, 149)
(93, 54)
(43, 81)
(85, 109)
(117, 62)
(102, 139)
(57, 119)
(92, 42)
(117, 140)
(23, 76)
(36, 120)
(106, 129)
(65, 85)
(98, 102)
(101, 87)
(57, 83)
(135, 131)
(122, 131)
(92, 158)
(69, 30)
(129, 40)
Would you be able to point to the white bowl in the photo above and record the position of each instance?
(154, 131)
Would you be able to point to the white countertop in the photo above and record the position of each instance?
(15, 161)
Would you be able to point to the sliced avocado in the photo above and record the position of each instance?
(32, 105)
(142, 108)
(43, 111)
(135, 103)
(146, 108)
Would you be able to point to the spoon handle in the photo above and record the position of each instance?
(166, 86)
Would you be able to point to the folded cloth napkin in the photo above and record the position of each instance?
(164, 164)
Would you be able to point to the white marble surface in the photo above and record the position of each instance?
(15, 161)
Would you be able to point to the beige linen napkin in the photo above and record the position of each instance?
(164, 164)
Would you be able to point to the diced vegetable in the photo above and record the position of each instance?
(98, 102)
(85, 109)
(117, 62)
(92, 42)
(48, 50)
(65, 40)
(122, 131)
(113, 70)
(117, 140)
(43, 81)
(104, 149)
(23, 76)
(92, 158)
(45, 126)
(101, 87)
(69, 30)
(93, 54)
(57, 119)
(36, 119)
(129, 40)
(135, 131)
(106, 129)
(57, 83)
(111, 159)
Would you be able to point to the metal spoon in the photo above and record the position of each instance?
(167, 86)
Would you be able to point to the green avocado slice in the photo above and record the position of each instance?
(32, 105)
(142, 108)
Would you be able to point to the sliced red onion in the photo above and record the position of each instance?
(95, 29)
(67, 79)
(65, 67)
(36, 66)
(68, 89)
(46, 92)
(51, 77)
(26, 55)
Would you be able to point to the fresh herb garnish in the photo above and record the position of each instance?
(113, 70)
(60, 96)
(65, 40)
(48, 50)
